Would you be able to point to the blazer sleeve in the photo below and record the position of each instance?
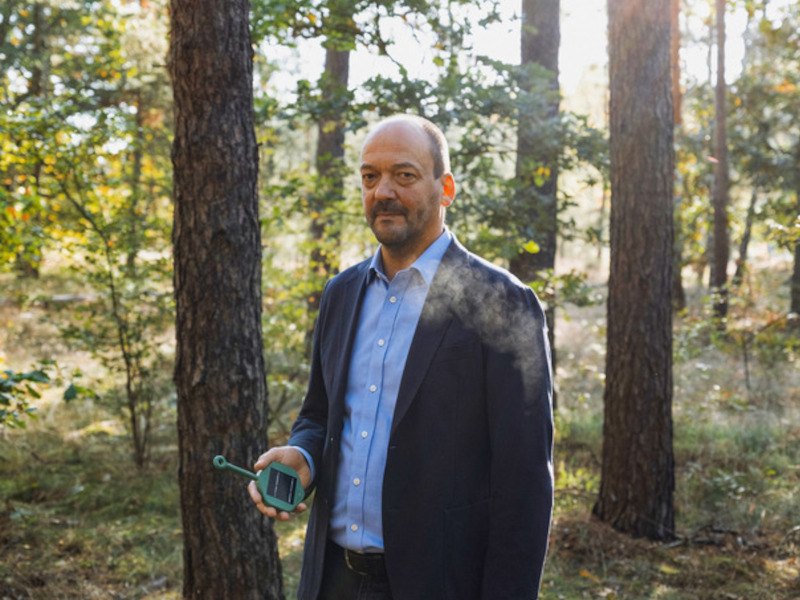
(309, 429)
(518, 382)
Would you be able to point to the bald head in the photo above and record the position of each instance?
(440, 154)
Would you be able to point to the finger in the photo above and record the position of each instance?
(300, 507)
(255, 496)
(264, 460)
(283, 516)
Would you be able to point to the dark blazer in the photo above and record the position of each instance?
(468, 485)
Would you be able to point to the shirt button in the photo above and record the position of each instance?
(353, 527)
(373, 388)
(381, 342)
(356, 481)
(364, 434)
(393, 299)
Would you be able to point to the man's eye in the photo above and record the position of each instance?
(368, 177)
(406, 176)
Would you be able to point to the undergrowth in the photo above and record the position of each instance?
(78, 520)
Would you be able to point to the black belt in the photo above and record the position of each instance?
(366, 564)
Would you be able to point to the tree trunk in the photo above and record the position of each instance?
(678, 293)
(229, 548)
(675, 60)
(329, 159)
(637, 475)
(540, 39)
(794, 304)
(719, 264)
(28, 260)
(137, 155)
(741, 262)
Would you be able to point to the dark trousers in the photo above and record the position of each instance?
(340, 582)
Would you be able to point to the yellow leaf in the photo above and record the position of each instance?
(589, 575)
(531, 247)
(312, 18)
(668, 569)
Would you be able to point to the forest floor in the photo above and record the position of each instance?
(78, 520)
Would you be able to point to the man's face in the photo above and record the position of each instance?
(403, 202)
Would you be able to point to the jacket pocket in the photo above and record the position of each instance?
(466, 536)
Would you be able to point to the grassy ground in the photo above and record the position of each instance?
(78, 521)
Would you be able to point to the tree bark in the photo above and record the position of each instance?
(229, 548)
(675, 60)
(794, 294)
(719, 264)
(637, 474)
(678, 293)
(329, 159)
(540, 40)
(744, 244)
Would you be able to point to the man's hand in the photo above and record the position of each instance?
(290, 457)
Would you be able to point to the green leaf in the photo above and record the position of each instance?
(37, 376)
(71, 392)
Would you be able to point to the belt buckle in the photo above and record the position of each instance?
(349, 563)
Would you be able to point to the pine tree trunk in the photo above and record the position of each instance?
(719, 264)
(675, 60)
(678, 293)
(229, 548)
(540, 40)
(637, 475)
(330, 155)
(794, 304)
(744, 245)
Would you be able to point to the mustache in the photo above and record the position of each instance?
(392, 207)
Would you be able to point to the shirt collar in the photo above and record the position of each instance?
(426, 264)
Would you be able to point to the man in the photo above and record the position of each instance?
(427, 426)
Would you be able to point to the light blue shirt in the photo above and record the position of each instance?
(386, 325)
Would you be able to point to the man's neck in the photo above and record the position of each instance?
(396, 259)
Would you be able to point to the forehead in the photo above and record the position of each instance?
(399, 142)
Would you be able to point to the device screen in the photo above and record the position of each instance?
(281, 486)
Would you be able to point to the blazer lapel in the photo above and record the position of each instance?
(346, 326)
(433, 323)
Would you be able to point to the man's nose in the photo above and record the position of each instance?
(385, 188)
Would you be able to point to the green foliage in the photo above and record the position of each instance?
(85, 171)
(16, 392)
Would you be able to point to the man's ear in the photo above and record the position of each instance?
(448, 189)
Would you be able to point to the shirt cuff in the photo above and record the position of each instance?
(307, 456)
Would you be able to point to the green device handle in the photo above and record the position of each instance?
(278, 484)
(222, 463)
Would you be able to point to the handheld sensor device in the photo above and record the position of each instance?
(278, 484)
